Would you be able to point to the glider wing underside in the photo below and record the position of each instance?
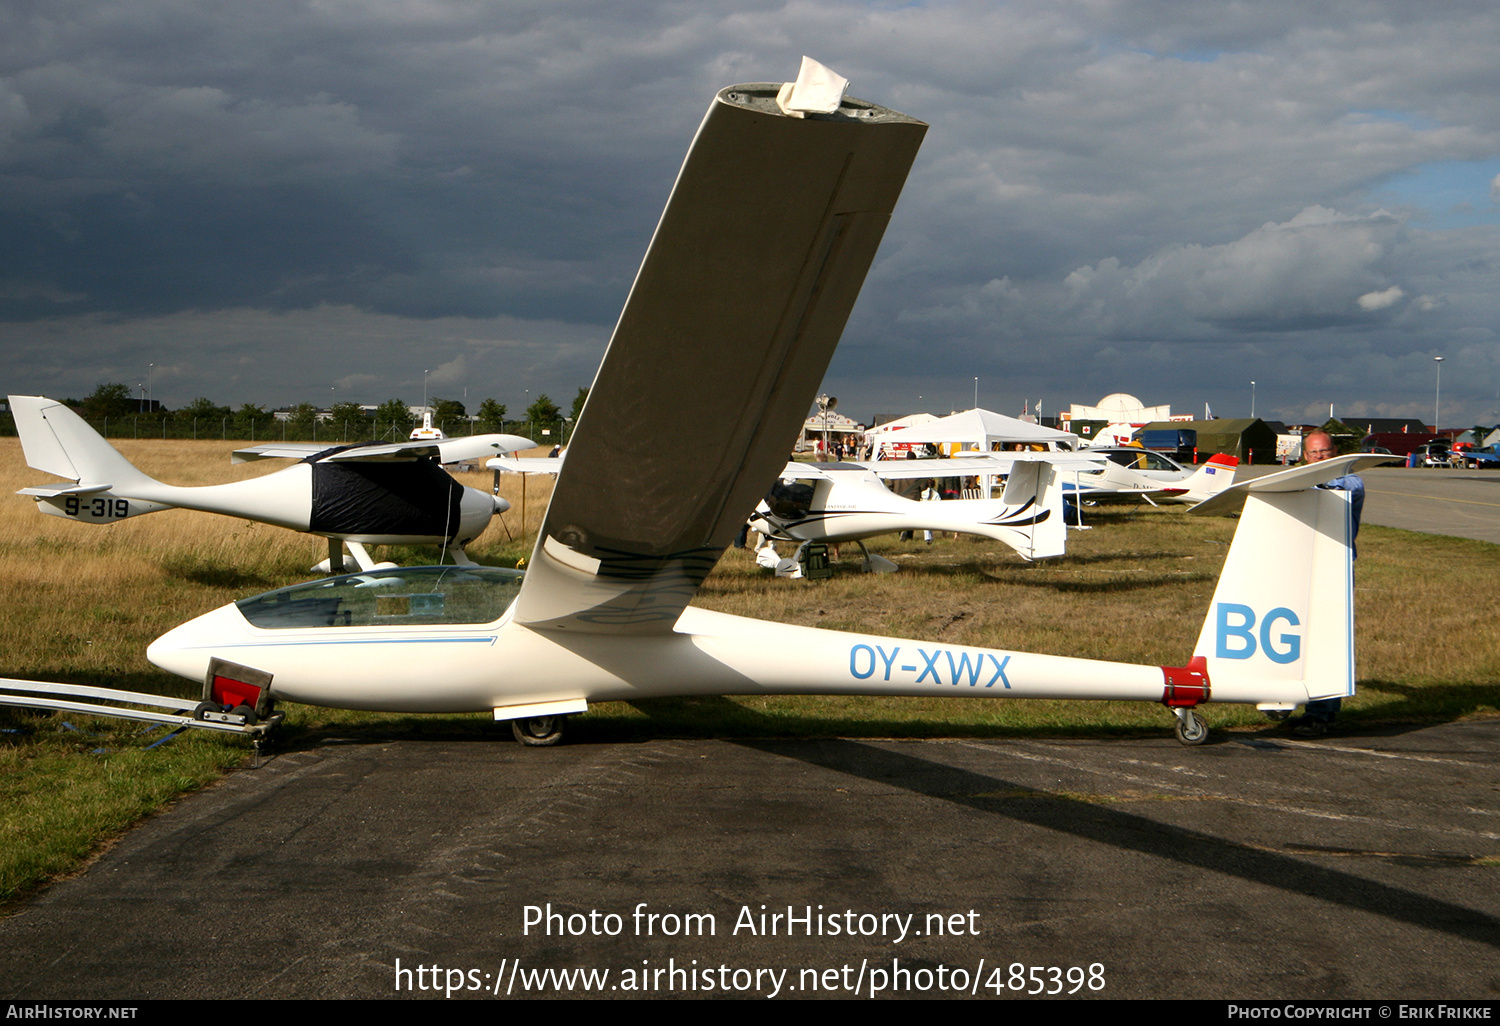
(727, 332)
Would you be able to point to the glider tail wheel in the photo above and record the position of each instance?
(1190, 727)
(539, 731)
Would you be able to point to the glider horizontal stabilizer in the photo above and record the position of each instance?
(1295, 479)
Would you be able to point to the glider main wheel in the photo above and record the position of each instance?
(1190, 728)
(539, 731)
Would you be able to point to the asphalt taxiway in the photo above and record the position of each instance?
(1255, 866)
(1461, 503)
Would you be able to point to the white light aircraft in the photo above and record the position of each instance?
(355, 495)
(733, 317)
(840, 502)
(1127, 472)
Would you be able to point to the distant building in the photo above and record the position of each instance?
(1113, 417)
(1385, 425)
(840, 429)
(1119, 408)
(1246, 438)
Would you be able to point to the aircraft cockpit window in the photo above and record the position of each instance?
(1134, 460)
(790, 500)
(407, 596)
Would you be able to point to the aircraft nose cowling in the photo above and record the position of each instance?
(186, 649)
(475, 511)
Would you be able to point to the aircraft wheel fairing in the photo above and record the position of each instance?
(539, 731)
(1190, 727)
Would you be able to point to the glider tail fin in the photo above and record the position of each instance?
(1210, 479)
(1280, 629)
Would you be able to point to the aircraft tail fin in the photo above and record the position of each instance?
(1280, 629)
(58, 441)
(1036, 486)
(1210, 479)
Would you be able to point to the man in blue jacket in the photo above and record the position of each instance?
(1318, 446)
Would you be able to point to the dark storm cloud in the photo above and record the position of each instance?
(1165, 198)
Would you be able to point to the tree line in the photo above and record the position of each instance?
(114, 412)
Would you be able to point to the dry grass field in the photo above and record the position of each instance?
(83, 602)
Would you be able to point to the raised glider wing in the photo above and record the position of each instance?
(770, 229)
(369, 494)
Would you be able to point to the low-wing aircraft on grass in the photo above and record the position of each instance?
(355, 495)
(770, 229)
(1127, 472)
(839, 502)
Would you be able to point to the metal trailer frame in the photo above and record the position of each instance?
(186, 714)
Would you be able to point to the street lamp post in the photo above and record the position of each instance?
(825, 403)
(1437, 398)
(1252, 400)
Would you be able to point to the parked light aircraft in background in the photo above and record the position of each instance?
(367, 494)
(850, 501)
(839, 502)
(744, 291)
(1128, 472)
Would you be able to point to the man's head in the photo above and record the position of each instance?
(1318, 446)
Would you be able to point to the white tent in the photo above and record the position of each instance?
(911, 420)
(984, 431)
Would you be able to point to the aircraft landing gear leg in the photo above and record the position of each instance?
(874, 564)
(1189, 728)
(335, 556)
(539, 731)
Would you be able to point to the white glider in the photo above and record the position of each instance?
(728, 330)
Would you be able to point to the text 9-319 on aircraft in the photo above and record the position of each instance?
(365, 494)
(744, 291)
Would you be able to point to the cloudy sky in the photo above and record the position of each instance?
(319, 200)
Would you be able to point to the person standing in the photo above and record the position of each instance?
(1317, 717)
